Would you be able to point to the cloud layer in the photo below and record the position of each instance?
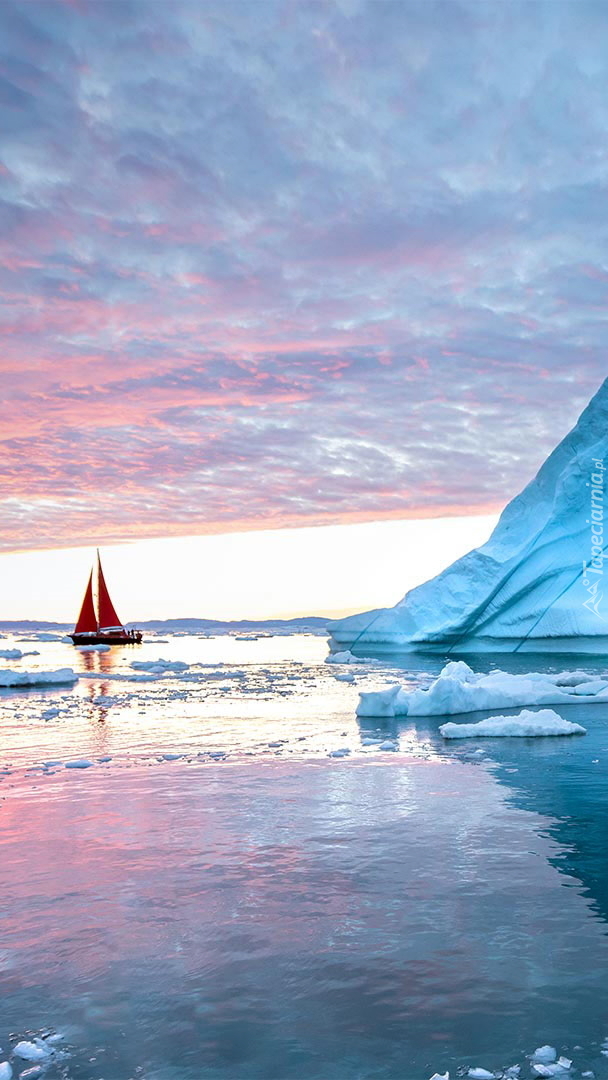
(288, 263)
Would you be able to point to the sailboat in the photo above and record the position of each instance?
(98, 623)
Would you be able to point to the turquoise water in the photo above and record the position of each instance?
(281, 914)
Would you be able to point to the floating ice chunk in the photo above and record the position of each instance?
(171, 757)
(573, 678)
(16, 654)
(347, 657)
(344, 676)
(480, 1074)
(93, 648)
(159, 665)
(458, 689)
(6, 1071)
(552, 1069)
(388, 744)
(40, 635)
(545, 1054)
(343, 751)
(63, 676)
(588, 1075)
(525, 723)
(380, 702)
(512, 1072)
(79, 763)
(33, 1073)
(588, 689)
(32, 1051)
(440, 1076)
(52, 764)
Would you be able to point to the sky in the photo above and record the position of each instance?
(268, 266)
(328, 570)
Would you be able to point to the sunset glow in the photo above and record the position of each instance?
(279, 265)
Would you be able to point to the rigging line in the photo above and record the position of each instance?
(550, 605)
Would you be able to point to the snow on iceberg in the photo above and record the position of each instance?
(64, 677)
(458, 689)
(537, 580)
(526, 723)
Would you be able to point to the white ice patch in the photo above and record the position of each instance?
(545, 1054)
(347, 657)
(32, 1051)
(159, 666)
(79, 763)
(16, 654)
(458, 689)
(64, 676)
(480, 1074)
(93, 648)
(6, 1072)
(525, 724)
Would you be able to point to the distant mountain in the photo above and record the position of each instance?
(310, 622)
(306, 622)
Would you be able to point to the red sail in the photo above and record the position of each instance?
(107, 611)
(87, 620)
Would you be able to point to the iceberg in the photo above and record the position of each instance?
(525, 724)
(537, 583)
(62, 677)
(458, 689)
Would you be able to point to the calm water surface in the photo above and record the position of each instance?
(281, 914)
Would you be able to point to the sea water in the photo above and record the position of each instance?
(212, 895)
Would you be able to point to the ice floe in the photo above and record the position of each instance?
(93, 648)
(79, 763)
(63, 676)
(32, 1051)
(458, 689)
(160, 665)
(525, 723)
(16, 654)
(6, 1071)
(346, 657)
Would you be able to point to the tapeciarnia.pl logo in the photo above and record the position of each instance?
(593, 570)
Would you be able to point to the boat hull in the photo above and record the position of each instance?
(106, 639)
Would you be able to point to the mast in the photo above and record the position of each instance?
(87, 620)
(107, 612)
